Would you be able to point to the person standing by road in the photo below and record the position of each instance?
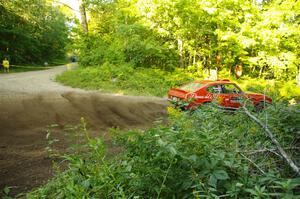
(5, 64)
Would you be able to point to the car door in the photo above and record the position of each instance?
(231, 95)
(215, 94)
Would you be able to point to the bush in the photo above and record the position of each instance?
(279, 90)
(208, 154)
(124, 79)
(129, 43)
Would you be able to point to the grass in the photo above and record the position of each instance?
(124, 79)
(34, 67)
(20, 69)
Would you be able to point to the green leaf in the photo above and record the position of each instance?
(6, 190)
(221, 174)
(86, 184)
(193, 158)
(172, 150)
(213, 181)
(161, 142)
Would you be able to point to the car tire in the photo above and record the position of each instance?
(260, 106)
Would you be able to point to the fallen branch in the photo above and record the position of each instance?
(263, 151)
(253, 163)
(273, 139)
(269, 150)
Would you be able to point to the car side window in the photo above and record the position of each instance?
(230, 89)
(214, 89)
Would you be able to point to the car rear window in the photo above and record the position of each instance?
(193, 86)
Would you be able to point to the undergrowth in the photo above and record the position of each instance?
(279, 90)
(125, 79)
(205, 154)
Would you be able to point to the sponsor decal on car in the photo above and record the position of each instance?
(203, 97)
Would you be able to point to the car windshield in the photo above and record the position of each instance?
(231, 89)
(191, 86)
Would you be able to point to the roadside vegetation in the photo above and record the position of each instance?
(146, 47)
(207, 154)
(194, 35)
(32, 32)
(34, 67)
(124, 79)
(19, 69)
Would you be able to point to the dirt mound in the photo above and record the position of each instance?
(23, 121)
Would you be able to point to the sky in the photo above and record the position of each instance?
(74, 4)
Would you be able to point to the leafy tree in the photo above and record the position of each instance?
(32, 31)
(196, 35)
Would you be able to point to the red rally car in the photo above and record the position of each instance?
(227, 94)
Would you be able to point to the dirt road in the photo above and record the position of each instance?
(31, 101)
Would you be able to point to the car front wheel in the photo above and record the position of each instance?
(260, 106)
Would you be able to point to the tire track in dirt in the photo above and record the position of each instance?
(31, 101)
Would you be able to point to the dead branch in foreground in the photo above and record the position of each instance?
(273, 139)
(253, 163)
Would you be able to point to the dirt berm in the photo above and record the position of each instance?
(25, 115)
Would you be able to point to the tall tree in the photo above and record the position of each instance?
(197, 35)
(82, 9)
(32, 31)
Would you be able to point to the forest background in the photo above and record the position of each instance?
(261, 36)
(194, 35)
(145, 47)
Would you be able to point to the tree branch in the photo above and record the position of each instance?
(273, 139)
(269, 150)
(64, 4)
(253, 163)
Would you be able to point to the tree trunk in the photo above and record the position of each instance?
(84, 23)
(180, 48)
(194, 58)
(298, 76)
(260, 71)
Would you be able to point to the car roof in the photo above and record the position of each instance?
(219, 81)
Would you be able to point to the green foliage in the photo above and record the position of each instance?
(195, 34)
(286, 119)
(207, 154)
(32, 31)
(132, 44)
(124, 79)
(5, 193)
(34, 67)
(278, 90)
